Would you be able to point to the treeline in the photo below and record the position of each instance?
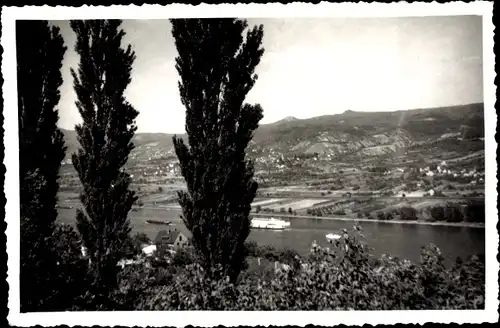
(333, 209)
(472, 211)
(63, 268)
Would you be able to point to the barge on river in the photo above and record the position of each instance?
(158, 222)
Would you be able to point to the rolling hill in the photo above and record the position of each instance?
(366, 133)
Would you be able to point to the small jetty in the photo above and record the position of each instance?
(158, 222)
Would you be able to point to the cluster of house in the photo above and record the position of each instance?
(272, 159)
(150, 151)
(443, 170)
(164, 170)
(167, 242)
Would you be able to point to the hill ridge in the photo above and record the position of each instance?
(367, 133)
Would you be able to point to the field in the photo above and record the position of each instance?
(262, 202)
(304, 203)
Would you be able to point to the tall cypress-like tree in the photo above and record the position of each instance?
(40, 51)
(105, 136)
(216, 65)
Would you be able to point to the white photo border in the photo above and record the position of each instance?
(212, 318)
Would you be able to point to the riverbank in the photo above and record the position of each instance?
(447, 224)
(353, 219)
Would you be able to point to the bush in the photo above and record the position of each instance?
(184, 256)
(437, 213)
(408, 213)
(453, 214)
(345, 277)
(71, 276)
(474, 212)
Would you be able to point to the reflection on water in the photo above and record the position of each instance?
(401, 240)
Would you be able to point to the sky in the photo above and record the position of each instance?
(311, 67)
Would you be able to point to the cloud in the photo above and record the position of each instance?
(314, 67)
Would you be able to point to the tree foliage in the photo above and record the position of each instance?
(40, 50)
(105, 137)
(343, 277)
(216, 66)
(71, 279)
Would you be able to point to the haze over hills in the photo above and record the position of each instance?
(366, 133)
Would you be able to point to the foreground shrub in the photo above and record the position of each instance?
(69, 276)
(191, 289)
(345, 277)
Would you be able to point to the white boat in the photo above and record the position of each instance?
(272, 223)
(332, 236)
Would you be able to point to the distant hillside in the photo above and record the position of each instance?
(141, 141)
(369, 133)
(288, 119)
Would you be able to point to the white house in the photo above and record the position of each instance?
(149, 250)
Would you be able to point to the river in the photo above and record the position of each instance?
(401, 240)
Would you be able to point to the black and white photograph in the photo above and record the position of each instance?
(232, 159)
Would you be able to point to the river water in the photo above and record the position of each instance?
(401, 240)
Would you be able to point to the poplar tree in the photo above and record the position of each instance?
(105, 137)
(40, 50)
(216, 66)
